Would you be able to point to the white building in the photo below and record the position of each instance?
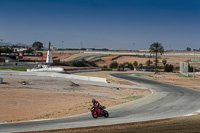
(19, 49)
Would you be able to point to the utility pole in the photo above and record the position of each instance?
(194, 66)
(62, 46)
(133, 46)
(1, 41)
(169, 47)
(81, 44)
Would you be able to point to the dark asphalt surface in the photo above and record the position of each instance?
(166, 101)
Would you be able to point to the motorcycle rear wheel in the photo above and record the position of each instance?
(94, 115)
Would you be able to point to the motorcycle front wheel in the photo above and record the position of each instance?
(106, 114)
(94, 115)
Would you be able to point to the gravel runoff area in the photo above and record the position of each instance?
(25, 98)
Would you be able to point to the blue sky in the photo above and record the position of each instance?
(118, 24)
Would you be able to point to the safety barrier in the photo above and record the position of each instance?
(53, 74)
(59, 69)
(88, 70)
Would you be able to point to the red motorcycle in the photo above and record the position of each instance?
(99, 112)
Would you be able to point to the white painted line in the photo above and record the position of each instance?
(3, 122)
(194, 113)
(189, 115)
(43, 119)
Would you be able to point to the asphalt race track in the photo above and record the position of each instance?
(166, 101)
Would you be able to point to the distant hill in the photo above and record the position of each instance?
(11, 44)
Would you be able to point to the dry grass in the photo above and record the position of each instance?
(174, 78)
(25, 104)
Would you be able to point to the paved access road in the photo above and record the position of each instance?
(166, 101)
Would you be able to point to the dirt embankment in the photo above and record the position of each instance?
(171, 59)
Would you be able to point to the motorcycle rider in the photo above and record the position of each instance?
(97, 105)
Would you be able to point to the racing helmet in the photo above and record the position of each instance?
(93, 100)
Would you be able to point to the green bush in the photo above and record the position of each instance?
(114, 64)
(5, 49)
(141, 65)
(126, 65)
(164, 62)
(190, 68)
(169, 68)
(149, 62)
(105, 66)
(14, 68)
(135, 63)
(79, 64)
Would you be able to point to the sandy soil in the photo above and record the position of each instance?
(175, 60)
(45, 97)
(107, 60)
(174, 78)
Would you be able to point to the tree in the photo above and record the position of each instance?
(37, 45)
(114, 65)
(156, 48)
(127, 65)
(135, 63)
(149, 62)
(141, 65)
(169, 68)
(190, 68)
(78, 64)
(29, 50)
(105, 67)
(164, 62)
(188, 49)
(6, 49)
